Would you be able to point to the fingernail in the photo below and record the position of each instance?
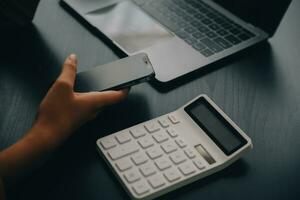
(73, 57)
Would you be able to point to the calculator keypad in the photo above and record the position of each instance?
(138, 132)
(123, 138)
(123, 150)
(152, 155)
(148, 169)
(172, 174)
(163, 163)
(169, 147)
(156, 181)
(152, 127)
(141, 187)
(124, 164)
(160, 136)
(146, 141)
(139, 158)
(177, 157)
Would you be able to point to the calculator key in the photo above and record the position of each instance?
(187, 168)
(163, 163)
(156, 181)
(172, 174)
(177, 157)
(146, 141)
(139, 158)
(123, 150)
(154, 152)
(124, 164)
(173, 119)
(132, 176)
(141, 188)
(199, 164)
(123, 137)
(181, 143)
(189, 153)
(152, 127)
(172, 132)
(108, 143)
(138, 132)
(169, 147)
(147, 169)
(160, 136)
(163, 122)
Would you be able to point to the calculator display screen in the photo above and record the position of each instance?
(215, 126)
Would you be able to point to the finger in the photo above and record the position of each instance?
(99, 99)
(68, 73)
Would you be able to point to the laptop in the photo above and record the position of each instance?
(181, 36)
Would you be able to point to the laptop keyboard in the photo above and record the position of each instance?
(201, 26)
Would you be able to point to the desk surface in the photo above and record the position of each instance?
(259, 90)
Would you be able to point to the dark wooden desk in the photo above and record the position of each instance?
(259, 90)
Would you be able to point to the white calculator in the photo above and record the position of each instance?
(168, 152)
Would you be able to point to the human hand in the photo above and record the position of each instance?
(62, 110)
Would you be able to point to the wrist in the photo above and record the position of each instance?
(47, 136)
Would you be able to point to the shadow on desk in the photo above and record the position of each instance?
(28, 67)
(25, 54)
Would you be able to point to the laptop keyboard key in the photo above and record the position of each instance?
(182, 34)
(198, 46)
(196, 23)
(190, 29)
(223, 43)
(206, 52)
(187, 18)
(243, 36)
(211, 35)
(199, 16)
(234, 31)
(219, 20)
(222, 32)
(214, 27)
(206, 21)
(203, 29)
(191, 41)
(211, 45)
(233, 39)
(226, 26)
(198, 35)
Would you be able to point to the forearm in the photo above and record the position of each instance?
(23, 156)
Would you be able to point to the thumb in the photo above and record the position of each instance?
(99, 99)
(69, 69)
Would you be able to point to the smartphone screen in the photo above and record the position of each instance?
(116, 75)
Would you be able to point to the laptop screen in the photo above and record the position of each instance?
(265, 14)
